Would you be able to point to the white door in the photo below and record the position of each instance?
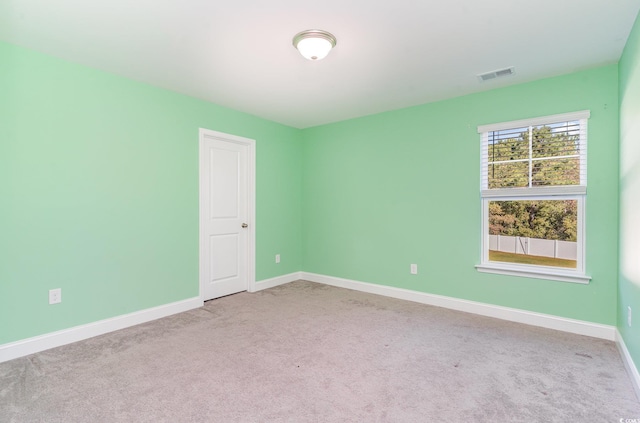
(226, 214)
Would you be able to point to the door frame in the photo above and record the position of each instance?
(251, 204)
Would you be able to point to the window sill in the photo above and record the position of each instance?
(562, 276)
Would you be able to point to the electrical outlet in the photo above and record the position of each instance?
(55, 296)
(277, 258)
(629, 316)
(414, 269)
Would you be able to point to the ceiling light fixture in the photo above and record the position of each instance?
(314, 44)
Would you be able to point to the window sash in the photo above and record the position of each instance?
(533, 269)
(534, 192)
(515, 128)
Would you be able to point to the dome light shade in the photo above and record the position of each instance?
(314, 44)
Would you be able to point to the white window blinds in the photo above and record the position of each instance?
(545, 155)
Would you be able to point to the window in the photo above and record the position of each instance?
(533, 192)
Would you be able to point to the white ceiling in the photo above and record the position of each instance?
(390, 54)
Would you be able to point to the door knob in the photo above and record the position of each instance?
(244, 225)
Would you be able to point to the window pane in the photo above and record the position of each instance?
(558, 139)
(546, 155)
(509, 175)
(556, 172)
(510, 144)
(542, 232)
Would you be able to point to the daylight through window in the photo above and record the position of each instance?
(533, 189)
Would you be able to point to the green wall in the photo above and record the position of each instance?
(99, 189)
(384, 191)
(99, 193)
(629, 285)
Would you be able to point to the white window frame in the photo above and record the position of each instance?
(577, 192)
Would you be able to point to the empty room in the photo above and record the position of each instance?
(408, 211)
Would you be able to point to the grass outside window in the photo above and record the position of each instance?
(501, 256)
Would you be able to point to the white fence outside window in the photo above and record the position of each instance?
(534, 246)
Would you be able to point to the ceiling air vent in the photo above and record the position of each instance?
(496, 74)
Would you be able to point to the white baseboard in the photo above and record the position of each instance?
(78, 333)
(55, 339)
(278, 280)
(628, 363)
(579, 327)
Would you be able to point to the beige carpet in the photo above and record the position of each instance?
(306, 352)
